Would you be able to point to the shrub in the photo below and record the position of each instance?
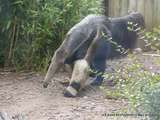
(153, 38)
(151, 103)
(32, 30)
(136, 84)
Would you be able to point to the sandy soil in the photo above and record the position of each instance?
(22, 93)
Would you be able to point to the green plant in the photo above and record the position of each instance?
(151, 103)
(30, 31)
(132, 83)
(153, 38)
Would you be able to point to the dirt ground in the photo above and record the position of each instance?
(22, 93)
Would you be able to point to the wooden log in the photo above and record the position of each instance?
(149, 14)
(153, 55)
(149, 8)
(110, 8)
(117, 8)
(158, 11)
(132, 5)
(140, 6)
(155, 13)
(124, 7)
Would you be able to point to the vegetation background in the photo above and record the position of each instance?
(31, 30)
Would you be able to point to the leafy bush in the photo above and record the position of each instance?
(151, 103)
(138, 85)
(153, 38)
(31, 30)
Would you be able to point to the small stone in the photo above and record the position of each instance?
(85, 97)
(92, 103)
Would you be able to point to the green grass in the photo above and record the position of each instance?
(133, 82)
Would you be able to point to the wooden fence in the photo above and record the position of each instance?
(149, 8)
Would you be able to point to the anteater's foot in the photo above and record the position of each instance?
(69, 94)
(45, 84)
(72, 90)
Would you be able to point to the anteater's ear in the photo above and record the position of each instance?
(94, 45)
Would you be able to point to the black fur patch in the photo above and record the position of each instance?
(68, 94)
(76, 85)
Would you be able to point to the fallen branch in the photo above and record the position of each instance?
(153, 55)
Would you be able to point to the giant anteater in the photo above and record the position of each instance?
(89, 44)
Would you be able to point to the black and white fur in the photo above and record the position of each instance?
(87, 48)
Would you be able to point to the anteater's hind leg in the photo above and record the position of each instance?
(79, 76)
(80, 73)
